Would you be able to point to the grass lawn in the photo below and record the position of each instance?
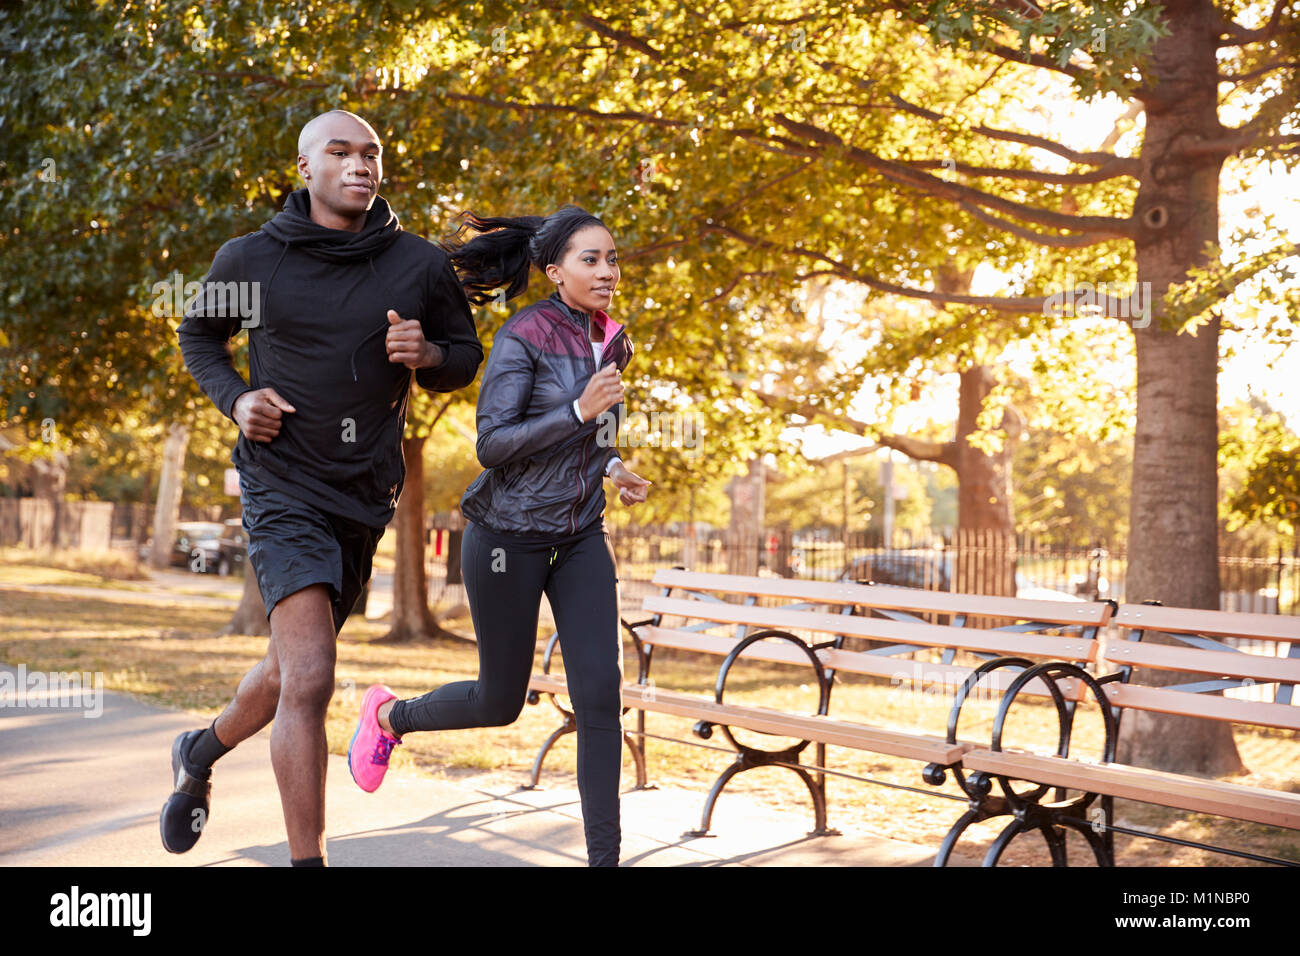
(170, 656)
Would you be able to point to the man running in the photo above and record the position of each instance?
(348, 305)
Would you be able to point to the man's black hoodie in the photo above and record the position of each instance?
(318, 339)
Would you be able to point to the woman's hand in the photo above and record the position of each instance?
(632, 488)
(604, 390)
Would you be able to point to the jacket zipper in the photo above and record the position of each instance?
(582, 467)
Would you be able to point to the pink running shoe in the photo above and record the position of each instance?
(371, 745)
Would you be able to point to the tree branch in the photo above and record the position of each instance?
(1100, 227)
(1100, 174)
(603, 28)
(751, 193)
(1134, 110)
(1023, 8)
(1078, 299)
(637, 117)
(441, 411)
(839, 269)
(1130, 167)
(920, 449)
(1081, 241)
(1006, 52)
(263, 78)
(1036, 59)
(1091, 229)
(848, 453)
(726, 290)
(1242, 35)
(1260, 71)
(652, 249)
(1230, 145)
(1095, 228)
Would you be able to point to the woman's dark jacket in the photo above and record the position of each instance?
(545, 470)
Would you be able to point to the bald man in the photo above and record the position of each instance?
(341, 308)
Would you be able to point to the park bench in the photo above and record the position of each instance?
(829, 627)
(1206, 666)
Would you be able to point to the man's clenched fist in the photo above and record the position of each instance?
(258, 413)
(407, 344)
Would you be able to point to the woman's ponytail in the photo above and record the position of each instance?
(497, 257)
(500, 255)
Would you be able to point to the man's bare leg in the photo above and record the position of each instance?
(255, 702)
(303, 640)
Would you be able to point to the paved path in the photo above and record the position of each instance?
(84, 791)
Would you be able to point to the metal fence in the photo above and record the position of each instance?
(981, 563)
(1260, 580)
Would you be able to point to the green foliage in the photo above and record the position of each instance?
(139, 137)
(450, 462)
(1073, 490)
(744, 156)
(1270, 317)
(1113, 35)
(813, 497)
(1260, 459)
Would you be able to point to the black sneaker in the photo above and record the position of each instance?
(185, 813)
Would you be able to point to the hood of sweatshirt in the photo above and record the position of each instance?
(294, 227)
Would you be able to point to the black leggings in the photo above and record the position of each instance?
(505, 587)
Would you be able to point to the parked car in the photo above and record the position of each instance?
(934, 571)
(198, 546)
(233, 547)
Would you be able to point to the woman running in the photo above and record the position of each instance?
(535, 516)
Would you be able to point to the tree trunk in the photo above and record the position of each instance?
(1173, 544)
(49, 479)
(748, 494)
(250, 616)
(411, 618)
(455, 538)
(986, 525)
(167, 509)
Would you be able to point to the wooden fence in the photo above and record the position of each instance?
(83, 525)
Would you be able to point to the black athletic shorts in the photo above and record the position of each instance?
(292, 544)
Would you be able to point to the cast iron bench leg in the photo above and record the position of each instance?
(568, 727)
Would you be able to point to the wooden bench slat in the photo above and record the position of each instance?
(761, 720)
(1181, 620)
(856, 662)
(704, 611)
(937, 635)
(894, 598)
(1150, 786)
(952, 676)
(1194, 660)
(782, 652)
(1169, 701)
